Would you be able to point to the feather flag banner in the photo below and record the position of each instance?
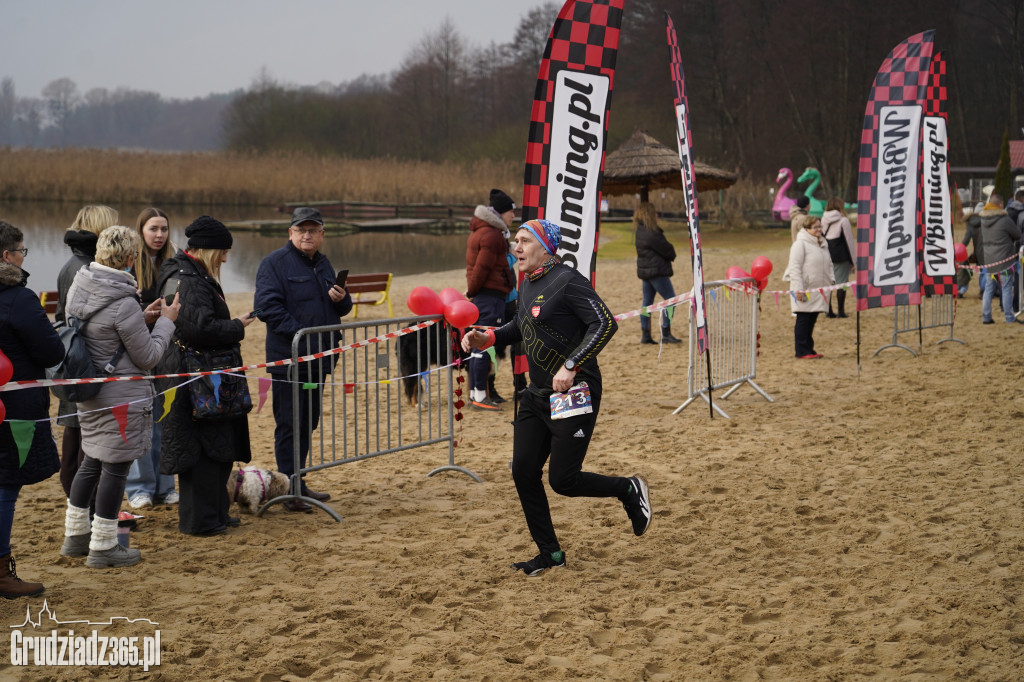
(685, 140)
(889, 178)
(569, 127)
(936, 242)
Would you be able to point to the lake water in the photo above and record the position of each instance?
(44, 225)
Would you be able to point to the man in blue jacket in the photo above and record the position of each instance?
(296, 289)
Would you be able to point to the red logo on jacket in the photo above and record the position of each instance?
(535, 311)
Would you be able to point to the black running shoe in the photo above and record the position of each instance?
(638, 505)
(540, 563)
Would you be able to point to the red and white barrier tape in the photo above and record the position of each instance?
(34, 383)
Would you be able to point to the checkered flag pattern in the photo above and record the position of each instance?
(936, 96)
(696, 256)
(585, 38)
(902, 80)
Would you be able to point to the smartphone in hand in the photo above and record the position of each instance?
(170, 290)
(341, 278)
(255, 313)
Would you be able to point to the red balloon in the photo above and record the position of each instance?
(6, 369)
(762, 284)
(760, 268)
(960, 253)
(424, 301)
(3, 412)
(735, 272)
(461, 314)
(449, 295)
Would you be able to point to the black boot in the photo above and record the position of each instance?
(830, 313)
(666, 336)
(841, 300)
(492, 391)
(645, 337)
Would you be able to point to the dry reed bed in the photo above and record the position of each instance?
(116, 177)
(223, 178)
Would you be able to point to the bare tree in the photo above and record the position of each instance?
(61, 97)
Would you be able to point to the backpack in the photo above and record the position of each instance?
(77, 363)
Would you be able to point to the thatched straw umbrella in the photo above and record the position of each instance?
(642, 164)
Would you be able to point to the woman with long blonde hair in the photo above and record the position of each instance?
(202, 453)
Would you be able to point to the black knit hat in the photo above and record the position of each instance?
(501, 202)
(208, 233)
(803, 201)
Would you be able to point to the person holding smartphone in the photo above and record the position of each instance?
(146, 486)
(296, 288)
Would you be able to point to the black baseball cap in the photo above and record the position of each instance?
(304, 214)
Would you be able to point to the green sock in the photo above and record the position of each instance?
(557, 556)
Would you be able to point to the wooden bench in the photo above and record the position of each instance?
(376, 284)
(48, 299)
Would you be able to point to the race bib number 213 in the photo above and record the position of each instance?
(571, 403)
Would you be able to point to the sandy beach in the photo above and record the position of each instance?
(865, 524)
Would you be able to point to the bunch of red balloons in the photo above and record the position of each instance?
(6, 372)
(759, 271)
(451, 303)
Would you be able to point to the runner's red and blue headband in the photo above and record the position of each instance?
(547, 233)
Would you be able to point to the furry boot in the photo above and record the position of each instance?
(76, 531)
(841, 300)
(103, 548)
(11, 586)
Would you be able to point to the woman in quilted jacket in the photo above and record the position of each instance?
(117, 424)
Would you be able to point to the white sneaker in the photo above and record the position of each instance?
(140, 501)
(171, 497)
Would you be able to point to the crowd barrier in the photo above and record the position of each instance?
(731, 308)
(934, 312)
(365, 410)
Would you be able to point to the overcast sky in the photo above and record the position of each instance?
(190, 48)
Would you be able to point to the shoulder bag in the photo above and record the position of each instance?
(216, 397)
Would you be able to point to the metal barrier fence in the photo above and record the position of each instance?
(932, 313)
(365, 410)
(732, 316)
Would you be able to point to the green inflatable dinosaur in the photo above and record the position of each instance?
(817, 207)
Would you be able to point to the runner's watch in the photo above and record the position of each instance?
(571, 366)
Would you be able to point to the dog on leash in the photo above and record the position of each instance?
(419, 351)
(251, 487)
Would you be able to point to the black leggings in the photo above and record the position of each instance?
(566, 440)
(107, 479)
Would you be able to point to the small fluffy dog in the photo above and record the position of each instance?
(420, 350)
(251, 487)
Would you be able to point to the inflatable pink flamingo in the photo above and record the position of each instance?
(780, 209)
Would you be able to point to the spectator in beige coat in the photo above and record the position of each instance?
(809, 269)
(105, 298)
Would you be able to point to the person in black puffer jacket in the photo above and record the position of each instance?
(654, 256)
(201, 453)
(30, 344)
(81, 239)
